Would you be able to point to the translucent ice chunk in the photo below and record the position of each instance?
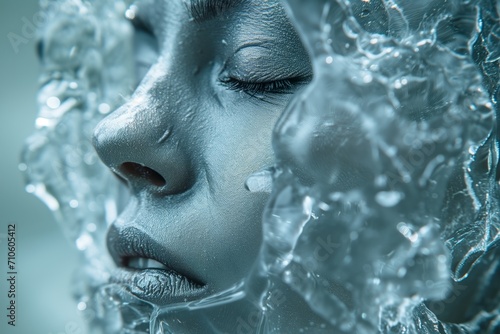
(261, 181)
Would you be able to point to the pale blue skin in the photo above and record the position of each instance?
(201, 139)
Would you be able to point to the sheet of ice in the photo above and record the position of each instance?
(384, 203)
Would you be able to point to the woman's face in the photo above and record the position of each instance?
(215, 76)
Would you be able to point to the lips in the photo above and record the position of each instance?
(144, 270)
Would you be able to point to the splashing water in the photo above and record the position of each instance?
(384, 203)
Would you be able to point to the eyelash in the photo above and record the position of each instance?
(283, 86)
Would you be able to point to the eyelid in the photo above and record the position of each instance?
(279, 86)
(264, 60)
(256, 69)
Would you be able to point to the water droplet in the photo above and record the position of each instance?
(260, 182)
(81, 306)
(388, 198)
(53, 102)
(84, 242)
(131, 12)
(323, 206)
(104, 108)
(473, 149)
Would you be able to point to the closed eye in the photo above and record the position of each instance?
(282, 86)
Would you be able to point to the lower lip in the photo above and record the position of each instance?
(157, 286)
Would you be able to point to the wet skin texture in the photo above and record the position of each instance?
(197, 125)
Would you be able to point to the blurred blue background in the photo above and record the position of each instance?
(45, 260)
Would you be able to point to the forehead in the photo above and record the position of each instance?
(157, 13)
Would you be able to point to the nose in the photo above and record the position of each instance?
(139, 143)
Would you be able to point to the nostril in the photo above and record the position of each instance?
(143, 172)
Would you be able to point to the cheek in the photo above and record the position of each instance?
(241, 233)
(240, 147)
(247, 138)
(232, 235)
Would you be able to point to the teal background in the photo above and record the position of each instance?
(45, 260)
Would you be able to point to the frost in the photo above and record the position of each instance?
(383, 215)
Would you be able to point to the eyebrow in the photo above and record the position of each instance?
(203, 10)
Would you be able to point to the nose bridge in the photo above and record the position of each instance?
(140, 141)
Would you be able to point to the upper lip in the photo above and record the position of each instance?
(162, 284)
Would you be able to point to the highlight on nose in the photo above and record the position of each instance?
(134, 170)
